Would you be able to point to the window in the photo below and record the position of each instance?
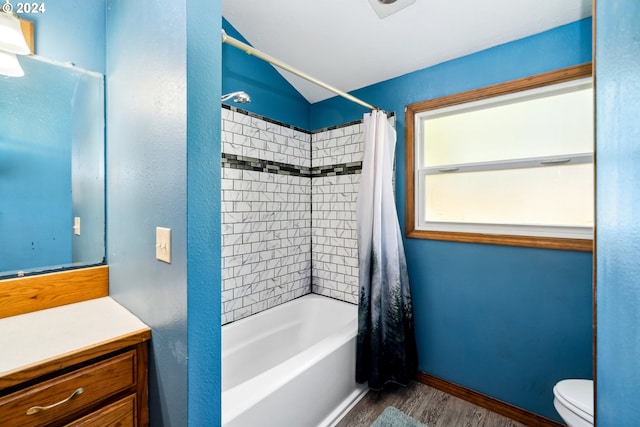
(508, 164)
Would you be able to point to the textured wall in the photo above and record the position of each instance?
(271, 95)
(618, 210)
(71, 31)
(147, 186)
(203, 211)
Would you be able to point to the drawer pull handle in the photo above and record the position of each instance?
(36, 409)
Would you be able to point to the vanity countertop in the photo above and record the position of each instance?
(57, 334)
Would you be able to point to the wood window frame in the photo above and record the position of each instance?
(527, 83)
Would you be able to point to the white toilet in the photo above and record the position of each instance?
(574, 402)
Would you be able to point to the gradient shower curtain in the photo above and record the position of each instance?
(386, 349)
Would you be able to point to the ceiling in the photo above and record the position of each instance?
(345, 44)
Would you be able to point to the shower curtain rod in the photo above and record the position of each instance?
(270, 59)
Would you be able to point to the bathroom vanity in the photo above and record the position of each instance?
(79, 364)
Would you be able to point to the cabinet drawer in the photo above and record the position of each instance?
(118, 414)
(68, 394)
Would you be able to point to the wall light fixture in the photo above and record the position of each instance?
(12, 42)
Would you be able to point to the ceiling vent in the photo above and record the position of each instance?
(385, 8)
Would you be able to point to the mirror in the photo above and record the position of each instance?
(51, 168)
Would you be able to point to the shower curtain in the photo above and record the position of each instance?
(386, 349)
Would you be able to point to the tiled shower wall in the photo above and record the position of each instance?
(266, 221)
(288, 223)
(337, 161)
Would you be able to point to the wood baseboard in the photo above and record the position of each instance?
(39, 292)
(510, 411)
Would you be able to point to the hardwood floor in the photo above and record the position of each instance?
(427, 405)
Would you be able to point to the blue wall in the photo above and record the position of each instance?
(507, 322)
(71, 31)
(147, 186)
(271, 95)
(618, 210)
(163, 113)
(163, 117)
(203, 210)
(534, 305)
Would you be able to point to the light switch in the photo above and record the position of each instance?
(76, 225)
(163, 244)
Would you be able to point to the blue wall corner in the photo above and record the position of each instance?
(271, 95)
(507, 322)
(618, 209)
(71, 31)
(147, 186)
(204, 210)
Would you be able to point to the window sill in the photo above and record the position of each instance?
(581, 245)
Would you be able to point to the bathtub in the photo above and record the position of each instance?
(290, 366)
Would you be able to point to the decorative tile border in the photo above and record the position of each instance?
(259, 165)
(251, 163)
(336, 170)
(342, 125)
(266, 119)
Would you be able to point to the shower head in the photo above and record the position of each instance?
(239, 97)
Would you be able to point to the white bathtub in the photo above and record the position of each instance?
(290, 366)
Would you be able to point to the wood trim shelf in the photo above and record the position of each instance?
(510, 411)
(581, 245)
(33, 293)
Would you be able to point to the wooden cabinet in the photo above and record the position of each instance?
(109, 390)
(83, 365)
(121, 413)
